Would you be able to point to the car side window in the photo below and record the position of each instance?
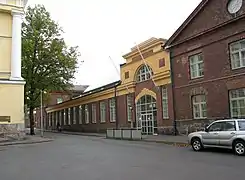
(215, 127)
(241, 125)
(229, 126)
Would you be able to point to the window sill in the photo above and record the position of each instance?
(233, 69)
(200, 118)
(196, 79)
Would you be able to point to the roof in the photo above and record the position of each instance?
(79, 88)
(185, 23)
(144, 45)
(93, 91)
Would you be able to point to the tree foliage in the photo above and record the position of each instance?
(47, 62)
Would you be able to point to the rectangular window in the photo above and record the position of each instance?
(80, 114)
(165, 103)
(102, 112)
(199, 107)
(60, 117)
(59, 100)
(237, 103)
(196, 66)
(57, 116)
(69, 116)
(64, 114)
(129, 107)
(74, 115)
(112, 110)
(86, 114)
(49, 119)
(237, 53)
(94, 115)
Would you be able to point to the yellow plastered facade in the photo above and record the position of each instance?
(11, 92)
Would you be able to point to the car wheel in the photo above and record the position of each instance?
(239, 148)
(196, 144)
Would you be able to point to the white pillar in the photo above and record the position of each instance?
(16, 46)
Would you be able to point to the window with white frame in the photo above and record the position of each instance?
(80, 114)
(165, 103)
(69, 116)
(57, 116)
(86, 114)
(64, 115)
(237, 53)
(199, 107)
(94, 115)
(144, 73)
(129, 107)
(196, 66)
(102, 112)
(112, 110)
(74, 116)
(49, 119)
(237, 103)
(59, 100)
(60, 117)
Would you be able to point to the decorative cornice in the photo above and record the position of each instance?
(12, 82)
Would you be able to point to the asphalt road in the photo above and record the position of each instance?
(91, 158)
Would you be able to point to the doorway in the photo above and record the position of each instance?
(147, 115)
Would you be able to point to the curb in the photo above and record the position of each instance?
(25, 142)
(178, 144)
(77, 134)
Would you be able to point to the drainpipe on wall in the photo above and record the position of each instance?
(115, 96)
(173, 94)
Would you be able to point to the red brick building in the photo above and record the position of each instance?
(142, 98)
(207, 57)
(56, 97)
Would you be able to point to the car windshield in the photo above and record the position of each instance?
(241, 125)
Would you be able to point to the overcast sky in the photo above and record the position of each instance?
(103, 28)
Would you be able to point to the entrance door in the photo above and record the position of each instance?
(147, 115)
(147, 123)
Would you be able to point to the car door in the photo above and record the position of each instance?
(227, 134)
(211, 137)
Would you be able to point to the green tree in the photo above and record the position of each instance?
(47, 62)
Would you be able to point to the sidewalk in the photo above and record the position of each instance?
(28, 140)
(181, 141)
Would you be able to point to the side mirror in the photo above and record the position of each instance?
(206, 128)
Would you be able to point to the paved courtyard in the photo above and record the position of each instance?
(92, 158)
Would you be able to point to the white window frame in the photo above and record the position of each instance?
(200, 107)
(49, 119)
(129, 107)
(196, 66)
(102, 112)
(239, 51)
(69, 116)
(112, 103)
(60, 117)
(59, 100)
(165, 113)
(86, 114)
(144, 73)
(239, 100)
(57, 116)
(74, 116)
(80, 114)
(94, 114)
(64, 115)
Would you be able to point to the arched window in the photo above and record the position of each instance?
(144, 73)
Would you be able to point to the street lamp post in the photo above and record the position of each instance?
(41, 113)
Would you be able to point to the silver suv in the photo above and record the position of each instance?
(229, 133)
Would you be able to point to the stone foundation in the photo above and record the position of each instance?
(12, 131)
(187, 127)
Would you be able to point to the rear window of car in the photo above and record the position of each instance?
(241, 125)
